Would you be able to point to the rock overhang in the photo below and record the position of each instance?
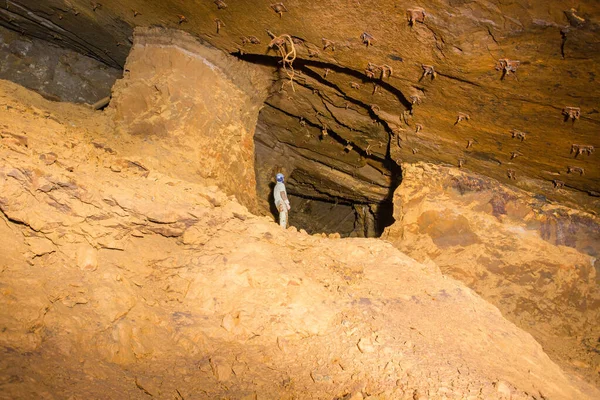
(508, 67)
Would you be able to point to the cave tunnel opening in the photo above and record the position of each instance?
(333, 149)
(339, 182)
(324, 198)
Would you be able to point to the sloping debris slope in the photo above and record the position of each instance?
(128, 283)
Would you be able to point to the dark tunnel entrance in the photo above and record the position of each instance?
(347, 219)
(324, 198)
(334, 148)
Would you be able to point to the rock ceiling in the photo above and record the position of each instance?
(504, 88)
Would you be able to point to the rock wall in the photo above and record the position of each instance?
(190, 110)
(535, 260)
(393, 81)
(317, 162)
(322, 169)
(54, 72)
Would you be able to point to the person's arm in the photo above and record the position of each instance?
(283, 195)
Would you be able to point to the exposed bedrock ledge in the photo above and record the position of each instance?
(190, 110)
(535, 260)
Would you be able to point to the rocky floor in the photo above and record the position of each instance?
(117, 281)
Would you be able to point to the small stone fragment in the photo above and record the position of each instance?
(137, 233)
(318, 377)
(220, 369)
(48, 158)
(40, 245)
(19, 140)
(282, 344)
(503, 389)
(239, 216)
(48, 187)
(356, 396)
(87, 258)
(365, 345)
(228, 323)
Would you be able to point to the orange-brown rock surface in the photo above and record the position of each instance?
(536, 261)
(190, 111)
(132, 259)
(391, 81)
(129, 283)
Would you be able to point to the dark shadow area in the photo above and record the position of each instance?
(384, 216)
(319, 216)
(272, 207)
(322, 202)
(335, 214)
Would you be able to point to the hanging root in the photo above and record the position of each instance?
(284, 44)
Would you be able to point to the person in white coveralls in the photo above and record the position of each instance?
(281, 200)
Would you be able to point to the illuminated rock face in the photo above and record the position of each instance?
(190, 111)
(537, 262)
(121, 259)
(119, 281)
(504, 90)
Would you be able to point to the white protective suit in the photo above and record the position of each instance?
(282, 204)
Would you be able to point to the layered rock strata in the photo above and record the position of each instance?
(54, 72)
